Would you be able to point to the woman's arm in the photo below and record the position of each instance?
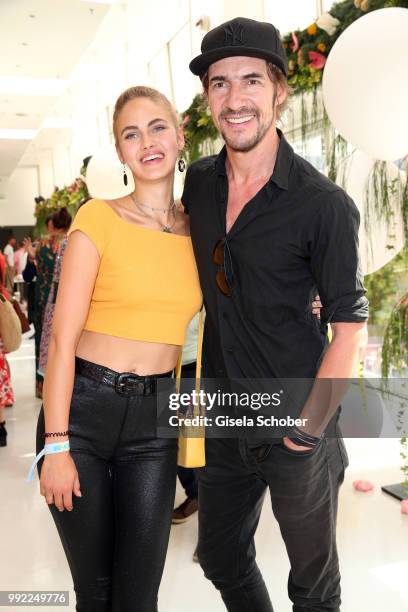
(79, 270)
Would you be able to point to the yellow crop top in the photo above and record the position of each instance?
(147, 287)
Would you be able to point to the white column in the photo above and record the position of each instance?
(45, 172)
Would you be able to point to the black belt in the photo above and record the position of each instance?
(124, 383)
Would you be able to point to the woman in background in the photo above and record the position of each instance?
(6, 390)
(6, 394)
(61, 221)
(3, 268)
(43, 256)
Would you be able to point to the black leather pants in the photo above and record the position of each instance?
(115, 538)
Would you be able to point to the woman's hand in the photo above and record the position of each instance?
(28, 247)
(59, 479)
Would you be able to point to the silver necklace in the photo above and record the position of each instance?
(172, 208)
(172, 205)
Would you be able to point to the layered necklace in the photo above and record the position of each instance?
(171, 210)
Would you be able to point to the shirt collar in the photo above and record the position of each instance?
(283, 164)
(219, 162)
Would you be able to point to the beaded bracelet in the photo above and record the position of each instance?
(57, 433)
(304, 439)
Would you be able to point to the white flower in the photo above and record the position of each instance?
(328, 23)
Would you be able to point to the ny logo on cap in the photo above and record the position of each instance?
(234, 34)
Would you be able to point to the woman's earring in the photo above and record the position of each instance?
(125, 178)
(181, 165)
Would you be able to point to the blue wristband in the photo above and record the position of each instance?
(49, 449)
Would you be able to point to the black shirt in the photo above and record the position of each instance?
(298, 236)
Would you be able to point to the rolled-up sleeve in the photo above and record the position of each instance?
(335, 261)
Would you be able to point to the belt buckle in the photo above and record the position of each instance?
(122, 379)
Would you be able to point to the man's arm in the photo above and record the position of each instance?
(335, 265)
(8, 252)
(332, 379)
(340, 359)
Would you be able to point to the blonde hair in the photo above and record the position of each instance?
(142, 91)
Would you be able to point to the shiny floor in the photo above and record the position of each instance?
(372, 533)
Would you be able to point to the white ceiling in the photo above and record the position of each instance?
(40, 39)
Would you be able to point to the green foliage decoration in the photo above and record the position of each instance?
(199, 128)
(395, 344)
(395, 356)
(304, 73)
(70, 197)
(382, 289)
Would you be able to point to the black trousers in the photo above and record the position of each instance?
(115, 538)
(304, 493)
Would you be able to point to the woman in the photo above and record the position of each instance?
(3, 267)
(6, 390)
(128, 289)
(43, 256)
(6, 394)
(61, 221)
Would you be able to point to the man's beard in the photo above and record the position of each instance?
(252, 142)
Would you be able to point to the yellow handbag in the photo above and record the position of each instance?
(191, 450)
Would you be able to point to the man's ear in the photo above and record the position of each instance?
(282, 94)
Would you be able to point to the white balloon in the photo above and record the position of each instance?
(380, 244)
(104, 175)
(365, 84)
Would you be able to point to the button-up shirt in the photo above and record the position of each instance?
(298, 236)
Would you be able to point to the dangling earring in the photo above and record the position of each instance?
(181, 164)
(125, 178)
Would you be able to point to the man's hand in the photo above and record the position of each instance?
(295, 447)
(317, 306)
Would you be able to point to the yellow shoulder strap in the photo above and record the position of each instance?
(199, 354)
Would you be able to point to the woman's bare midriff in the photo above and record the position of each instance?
(123, 355)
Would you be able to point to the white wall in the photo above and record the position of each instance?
(289, 15)
(18, 207)
(253, 9)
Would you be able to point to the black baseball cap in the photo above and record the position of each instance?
(241, 36)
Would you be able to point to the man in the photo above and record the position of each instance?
(10, 269)
(20, 259)
(268, 231)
